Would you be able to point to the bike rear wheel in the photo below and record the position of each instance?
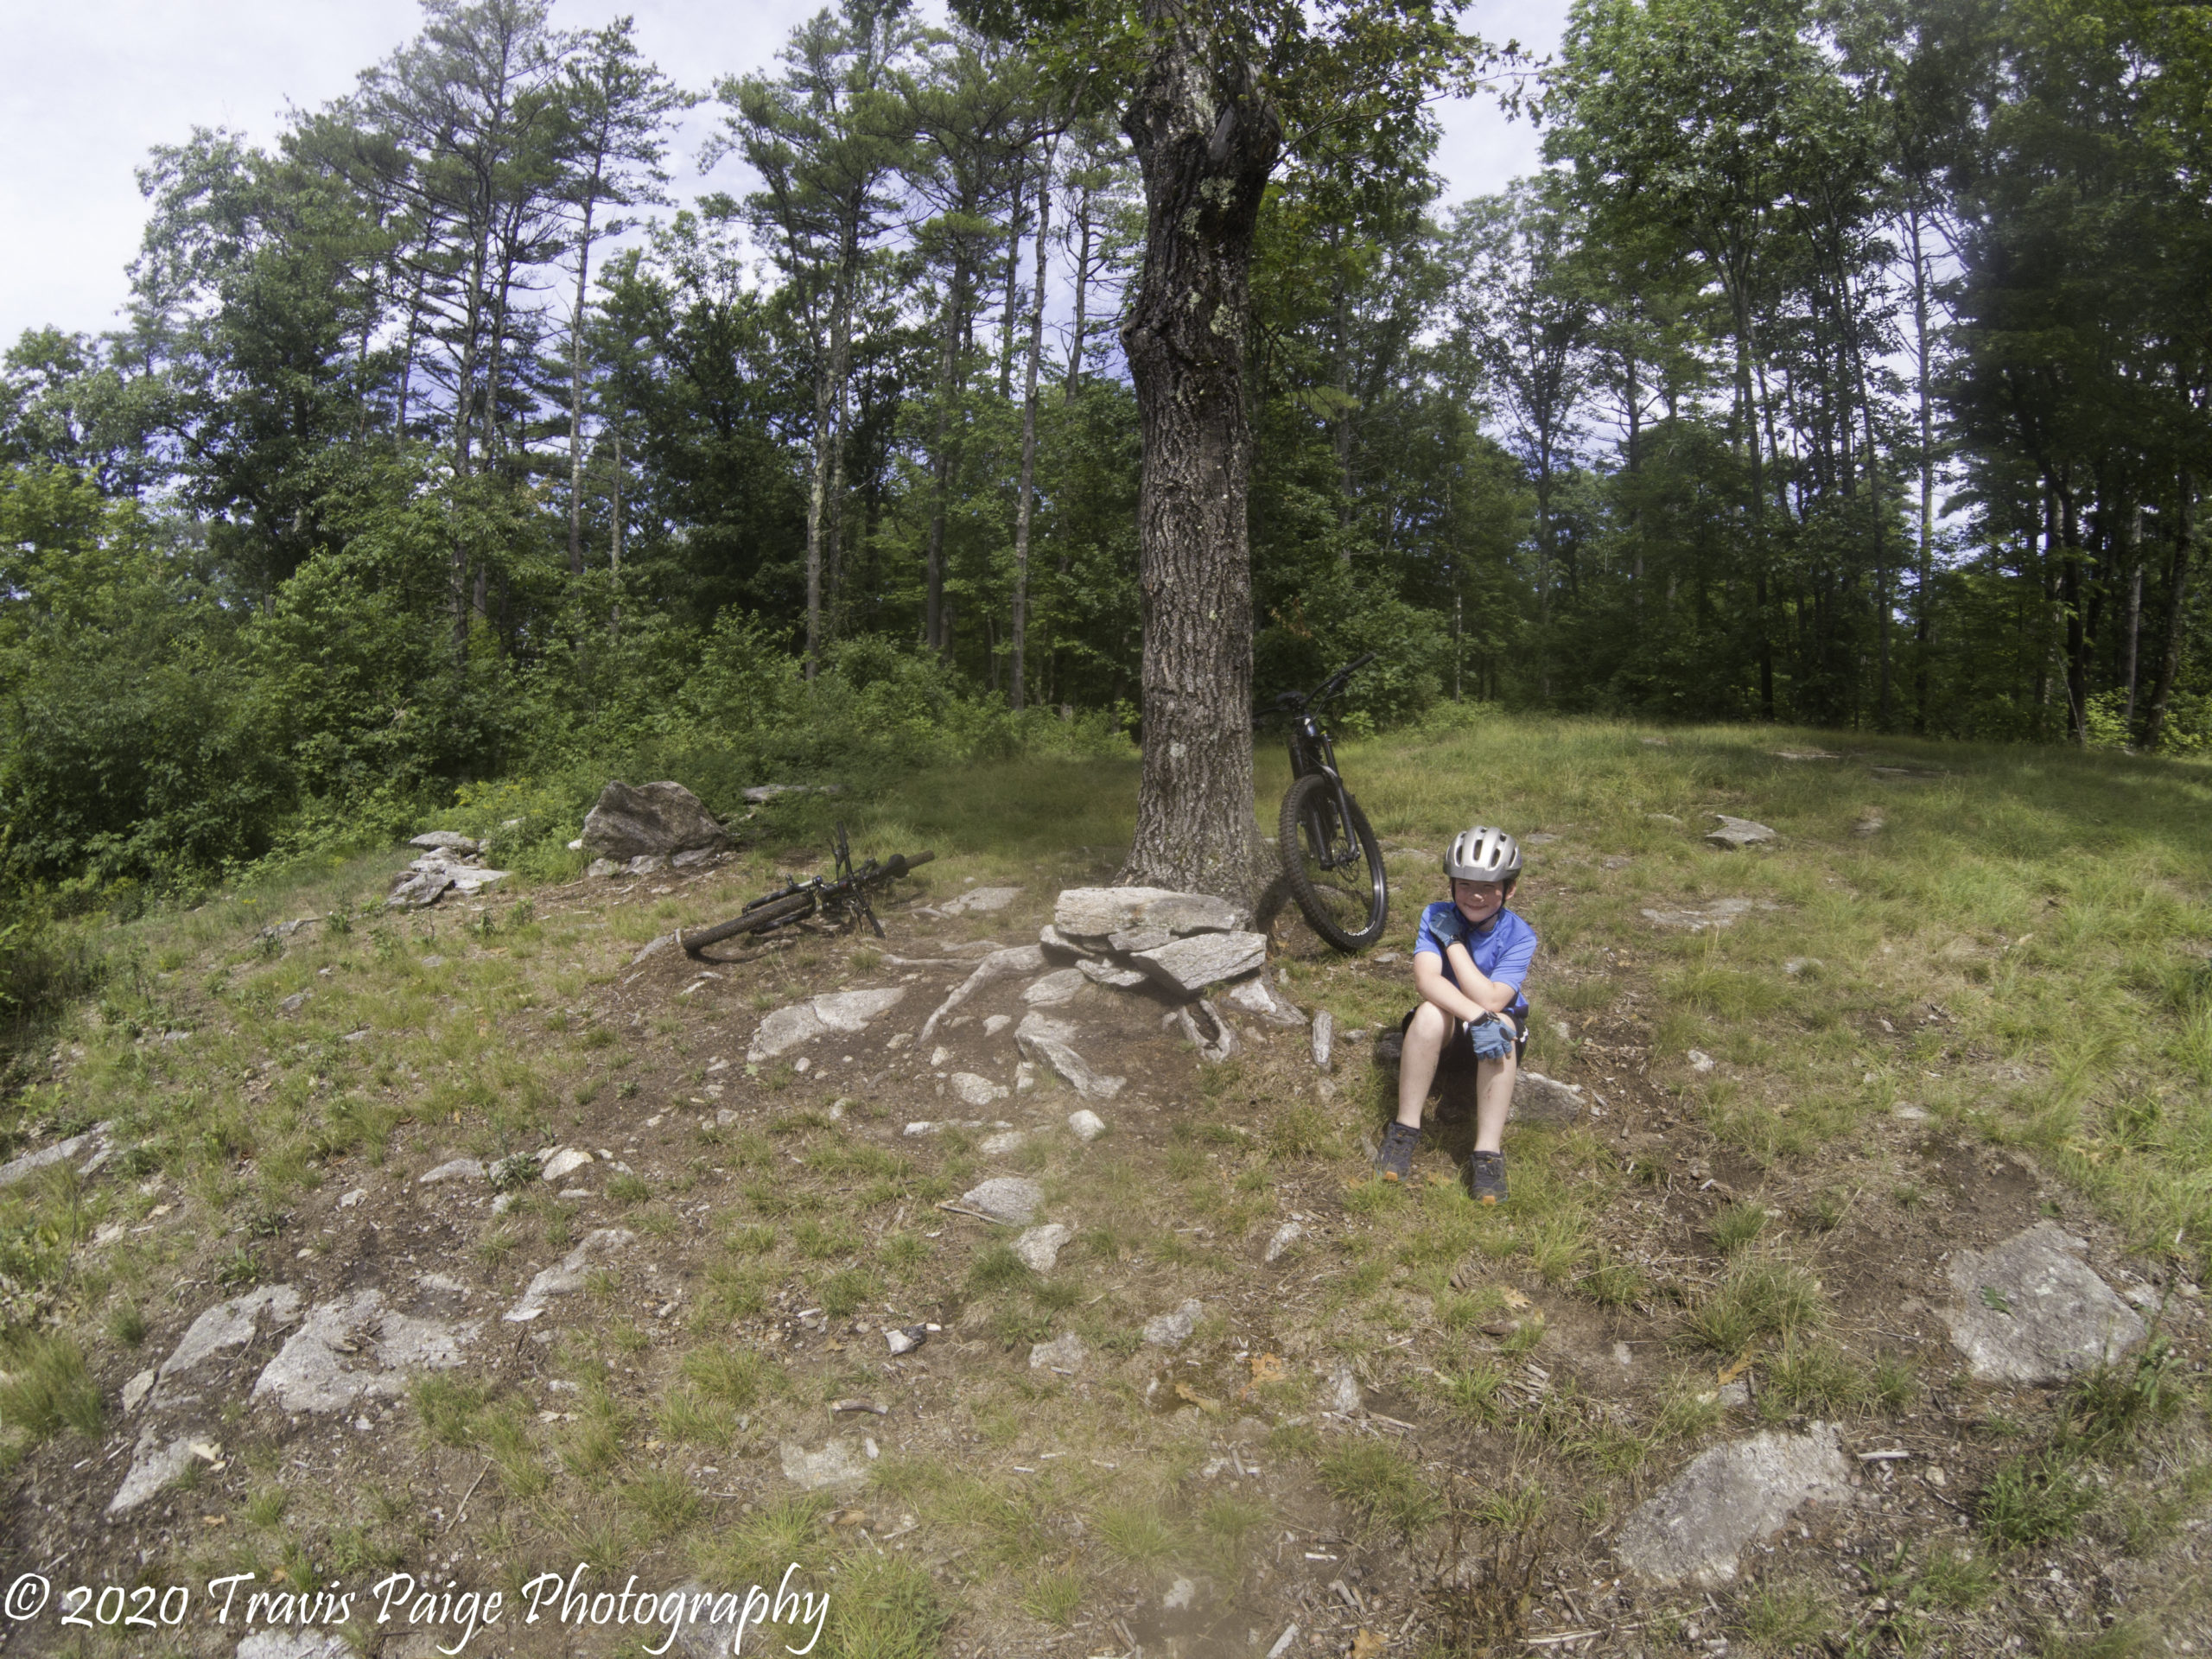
(777, 913)
(1332, 863)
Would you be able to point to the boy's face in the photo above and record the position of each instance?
(1478, 901)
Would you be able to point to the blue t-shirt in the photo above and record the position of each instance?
(1503, 949)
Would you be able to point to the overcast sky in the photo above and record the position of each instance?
(93, 84)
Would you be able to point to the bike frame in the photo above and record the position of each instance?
(1312, 750)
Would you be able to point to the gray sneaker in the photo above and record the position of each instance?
(1486, 1177)
(1395, 1162)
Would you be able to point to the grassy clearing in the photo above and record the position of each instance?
(2017, 955)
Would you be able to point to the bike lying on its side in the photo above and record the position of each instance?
(843, 900)
(1329, 854)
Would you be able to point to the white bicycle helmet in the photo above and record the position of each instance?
(1483, 854)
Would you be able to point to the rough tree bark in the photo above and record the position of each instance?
(1207, 139)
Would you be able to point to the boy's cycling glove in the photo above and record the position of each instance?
(1490, 1040)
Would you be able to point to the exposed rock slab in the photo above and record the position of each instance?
(61, 1152)
(1111, 974)
(658, 819)
(230, 1324)
(974, 1091)
(358, 1347)
(1727, 1499)
(2031, 1310)
(1717, 912)
(1257, 996)
(785, 1029)
(1738, 832)
(454, 1169)
(1173, 1330)
(1050, 1042)
(1005, 1197)
(1189, 965)
(837, 1466)
(445, 840)
(154, 1463)
(595, 1246)
(1005, 963)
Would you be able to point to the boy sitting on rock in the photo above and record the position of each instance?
(1470, 961)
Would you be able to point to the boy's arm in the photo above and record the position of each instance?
(1490, 996)
(1429, 980)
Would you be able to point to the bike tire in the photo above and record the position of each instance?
(1349, 910)
(777, 913)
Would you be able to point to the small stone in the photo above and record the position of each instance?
(995, 1023)
(1342, 1395)
(1006, 1140)
(1180, 1594)
(294, 1002)
(1720, 913)
(569, 1276)
(1056, 988)
(1063, 1353)
(837, 1465)
(135, 1390)
(1283, 1240)
(1736, 833)
(1025, 1077)
(1255, 996)
(1325, 1033)
(353, 1197)
(1173, 1330)
(853, 1010)
(906, 1339)
(1701, 1062)
(457, 1169)
(1039, 1247)
(783, 1030)
(974, 1091)
(979, 901)
(1797, 965)
(1910, 1113)
(1869, 825)
(1540, 1099)
(1538, 838)
(1085, 1124)
(1005, 1198)
(154, 1465)
(564, 1163)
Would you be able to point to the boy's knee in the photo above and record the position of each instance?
(1429, 1021)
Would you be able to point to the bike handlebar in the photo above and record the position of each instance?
(1320, 696)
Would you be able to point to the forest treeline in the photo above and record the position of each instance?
(1846, 364)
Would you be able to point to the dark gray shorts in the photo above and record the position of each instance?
(1457, 1051)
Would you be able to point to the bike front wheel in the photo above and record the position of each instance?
(1331, 860)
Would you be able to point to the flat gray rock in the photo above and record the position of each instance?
(307, 1643)
(2031, 1310)
(456, 1169)
(1065, 1353)
(1717, 912)
(978, 901)
(1325, 1039)
(1057, 944)
(419, 890)
(230, 1324)
(1005, 1197)
(1049, 1042)
(838, 1465)
(1283, 1240)
(974, 1090)
(654, 820)
(1728, 1498)
(1130, 940)
(1058, 987)
(1039, 1247)
(445, 840)
(782, 1030)
(565, 1162)
(1095, 913)
(1173, 1330)
(1108, 973)
(1540, 1099)
(1738, 832)
(358, 1347)
(1189, 965)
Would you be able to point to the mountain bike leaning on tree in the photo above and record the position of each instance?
(1328, 849)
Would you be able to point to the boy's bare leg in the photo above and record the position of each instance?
(1417, 1060)
(1493, 1097)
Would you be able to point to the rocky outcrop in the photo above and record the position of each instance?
(2031, 1310)
(652, 821)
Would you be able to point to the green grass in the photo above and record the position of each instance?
(1382, 1486)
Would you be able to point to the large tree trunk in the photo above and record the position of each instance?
(1025, 505)
(1206, 140)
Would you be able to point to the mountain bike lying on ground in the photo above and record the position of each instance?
(843, 900)
(1329, 854)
